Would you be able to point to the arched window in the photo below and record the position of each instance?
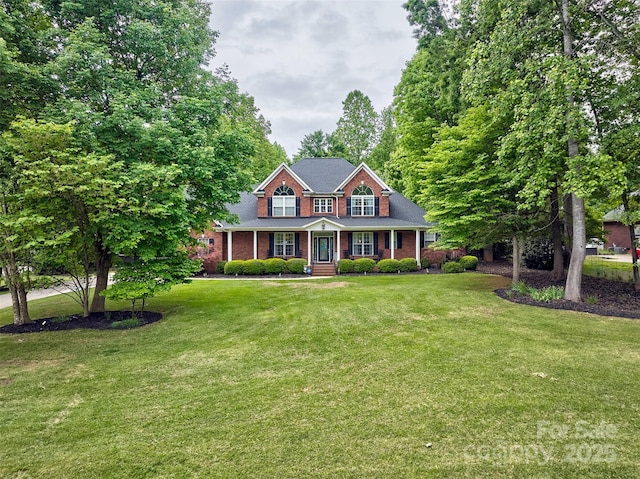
(284, 201)
(362, 201)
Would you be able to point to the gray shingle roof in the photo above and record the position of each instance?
(323, 175)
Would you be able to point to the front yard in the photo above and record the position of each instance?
(352, 377)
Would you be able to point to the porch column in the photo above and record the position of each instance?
(418, 247)
(229, 245)
(392, 243)
(255, 244)
(338, 252)
(309, 250)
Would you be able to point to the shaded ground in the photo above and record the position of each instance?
(611, 298)
(76, 321)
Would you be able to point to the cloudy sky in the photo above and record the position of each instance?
(300, 59)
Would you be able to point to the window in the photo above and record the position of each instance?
(362, 244)
(362, 201)
(323, 205)
(283, 244)
(205, 241)
(284, 202)
(429, 238)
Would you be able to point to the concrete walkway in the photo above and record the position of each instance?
(5, 299)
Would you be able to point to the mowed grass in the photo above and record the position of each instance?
(352, 377)
(603, 267)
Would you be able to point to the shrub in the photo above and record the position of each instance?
(234, 267)
(253, 267)
(521, 288)
(538, 254)
(408, 264)
(274, 265)
(345, 266)
(209, 265)
(452, 267)
(550, 293)
(364, 265)
(220, 267)
(469, 262)
(388, 266)
(436, 257)
(296, 265)
(425, 263)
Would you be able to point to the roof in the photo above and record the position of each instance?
(324, 175)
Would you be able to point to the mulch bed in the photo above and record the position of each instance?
(76, 321)
(612, 298)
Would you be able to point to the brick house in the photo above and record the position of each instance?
(322, 210)
(616, 233)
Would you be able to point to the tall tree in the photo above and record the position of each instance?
(319, 144)
(356, 128)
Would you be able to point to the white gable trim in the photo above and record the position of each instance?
(370, 172)
(283, 166)
(319, 221)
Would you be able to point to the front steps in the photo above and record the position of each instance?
(328, 269)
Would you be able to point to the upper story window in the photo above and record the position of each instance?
(284, 201)
(362, 201)
(323, 205)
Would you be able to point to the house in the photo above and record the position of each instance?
(322, 210)
(616, 233)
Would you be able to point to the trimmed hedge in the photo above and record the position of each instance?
(468, 262)
(408, 264)
(425, 263)
(274, 266)
(296, 265)
(388, 266)
(345, 266)
(253, 267)
(220, 267)
(452, 267)
(363, 265)
(234, 267)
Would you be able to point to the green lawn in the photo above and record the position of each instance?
(352, 377)
(603, 267)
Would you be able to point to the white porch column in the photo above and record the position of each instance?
(392, 243)
(418, 247)
(338, 251)
(309, 250)
(255, 244)
(229, 245)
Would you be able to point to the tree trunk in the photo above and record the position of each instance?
(573, 286)
(18, 293)
(103, 264)
(556, 228)
(632, 237)
(517, 259)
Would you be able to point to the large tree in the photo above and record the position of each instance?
(357, 127)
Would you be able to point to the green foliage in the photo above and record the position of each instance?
(274, 265)
(548, 294)
(388, 265)
(425, 262)
(220, 267)
(452, 267)
(357, 127)
(320, 145)
(296, 265)
(253, 267)
(469, 262)
(126, 323)
(521, 288)
(234, 267)
(408, 265)
(345, 266)
(363, 265)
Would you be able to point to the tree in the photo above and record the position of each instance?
(356, 128)
(387, 138)
(132, 80)
(319, 144)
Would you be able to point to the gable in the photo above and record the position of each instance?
(281, 173)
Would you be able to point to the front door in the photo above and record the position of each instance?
(323, 249)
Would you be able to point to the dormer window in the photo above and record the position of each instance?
(362, 201)
(284, 201)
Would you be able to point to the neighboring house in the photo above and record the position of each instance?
(616, 234)
(322, 210)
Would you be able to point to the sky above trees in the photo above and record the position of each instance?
(300, 59)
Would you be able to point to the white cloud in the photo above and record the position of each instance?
(300, 59)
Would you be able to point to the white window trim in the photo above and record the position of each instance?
(283, 244)
(362, 205)
(323, 205)
(361, 242)
(280, 205)
(429, 237)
